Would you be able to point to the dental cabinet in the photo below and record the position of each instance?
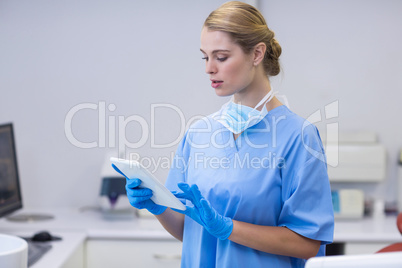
(132, 253)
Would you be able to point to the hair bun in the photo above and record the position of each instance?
(271, 62)
(247, 27)
(276, 48)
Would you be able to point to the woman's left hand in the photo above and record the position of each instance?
(203, 213)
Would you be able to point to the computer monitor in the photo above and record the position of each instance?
(10, 192)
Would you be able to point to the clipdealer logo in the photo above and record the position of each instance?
(112, 126)
(111, 129)
(331, 144)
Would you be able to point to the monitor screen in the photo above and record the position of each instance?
(10, 193)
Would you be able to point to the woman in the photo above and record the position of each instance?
(255, 187)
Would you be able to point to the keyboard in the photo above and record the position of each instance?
(36, 250)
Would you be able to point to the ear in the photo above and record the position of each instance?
(259, 53)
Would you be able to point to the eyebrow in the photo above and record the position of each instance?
(216, 51)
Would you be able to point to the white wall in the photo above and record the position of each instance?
(348, 51)
(55, 55)
(59, 54)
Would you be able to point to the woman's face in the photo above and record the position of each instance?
(229, 68)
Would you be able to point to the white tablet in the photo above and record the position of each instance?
(133, 169)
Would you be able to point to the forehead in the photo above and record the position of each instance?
(216, 40)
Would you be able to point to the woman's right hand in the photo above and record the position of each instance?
(141, 197)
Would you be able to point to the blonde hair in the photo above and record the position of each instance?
(247, 27)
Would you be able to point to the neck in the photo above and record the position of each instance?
(252, 95)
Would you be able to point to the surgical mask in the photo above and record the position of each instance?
(237, 118)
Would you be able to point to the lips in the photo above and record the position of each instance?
(216, 83)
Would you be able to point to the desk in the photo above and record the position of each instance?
(87, 234)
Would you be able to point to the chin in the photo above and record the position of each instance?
(223, 93)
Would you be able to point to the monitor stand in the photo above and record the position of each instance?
(25, 217)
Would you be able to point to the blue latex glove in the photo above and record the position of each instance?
(203, 213)
(140, 197)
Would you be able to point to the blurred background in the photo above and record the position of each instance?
(97, 71)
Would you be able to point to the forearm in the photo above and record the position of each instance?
(173, 222)
(274, 240)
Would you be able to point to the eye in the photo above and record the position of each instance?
(205, 58)
(222, 59)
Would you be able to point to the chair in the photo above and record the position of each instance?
(395, 246)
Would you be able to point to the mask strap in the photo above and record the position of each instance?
(266, 99)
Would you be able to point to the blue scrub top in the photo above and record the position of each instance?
(273, 174)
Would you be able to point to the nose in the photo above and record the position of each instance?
(210, 67)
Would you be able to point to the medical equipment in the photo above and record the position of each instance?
(348, 203)
(359, 156)
(113, 200)
(113, 187)
(133, 169)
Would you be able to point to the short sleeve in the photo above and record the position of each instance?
(307, 202)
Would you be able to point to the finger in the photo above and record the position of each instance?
(183, 186)
(176, 192)
(182, 195)
(181, 198)
(194, 214)
(148, 203)
(139, 192)
(208, 211)
(196, 191)
(132, 183)
(196, 194)
(187, 191)
(140, 199)
(144, 204)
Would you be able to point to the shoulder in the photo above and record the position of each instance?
(296, 133)
(290, 124)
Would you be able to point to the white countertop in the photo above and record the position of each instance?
(60, 251)
(90, 222)
(367, 230)
(95, 226)
(76, 226)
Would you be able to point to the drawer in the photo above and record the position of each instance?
(133, 253)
